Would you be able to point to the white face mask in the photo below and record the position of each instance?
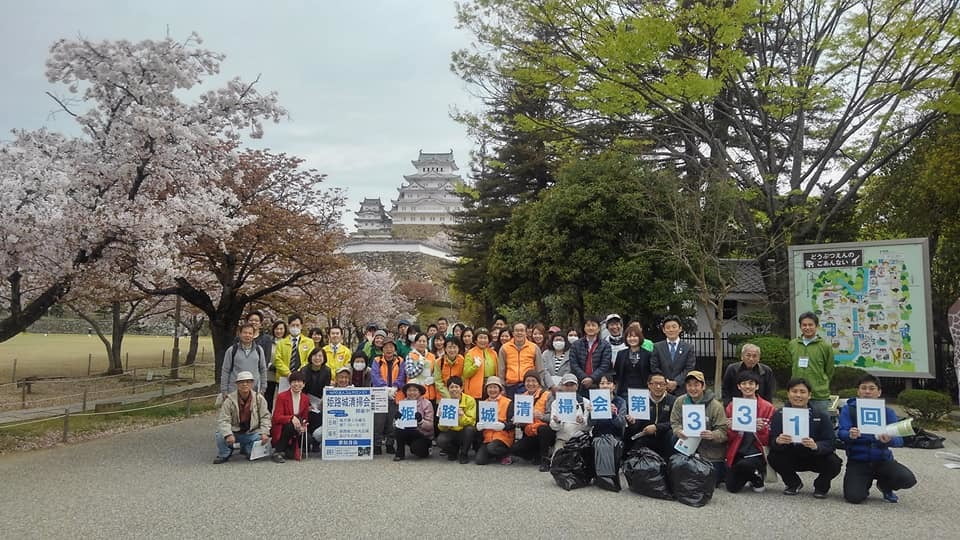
(294, 330)
(359, 366)
(572, 340)
(411, 337)
(558, 345)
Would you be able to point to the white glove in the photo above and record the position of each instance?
(476, 361)
(396, 424)
(428, 381)
(497, 426)
(391, 392)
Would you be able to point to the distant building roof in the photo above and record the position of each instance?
(748, 279)
(427, 158)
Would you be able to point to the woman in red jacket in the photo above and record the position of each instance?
(290, 419)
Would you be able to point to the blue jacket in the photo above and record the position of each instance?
(865, 448)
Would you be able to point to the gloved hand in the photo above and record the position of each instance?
(497, 426)
(419, 417)
(391, 392)
(482, 426)
(428, 381)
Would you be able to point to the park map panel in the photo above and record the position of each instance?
(871, 304)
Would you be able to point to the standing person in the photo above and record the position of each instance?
(467, 339)
(419, 438)
(457, 331)
(537, 436)
(419, 365)
(279, 333)
(374, 347)
(480, 363)
(431, 333)
(443, 327)
(673, 357)
(613, 333)
(749, 361)
(814, 453)
(516, 358)
(457, 440)
(746, 462)
(338, 355)
(590, 356)
(316, 377)
(316, 335)
(360, 376)
(813, 360)
(263, 339)
(292, 351)
(716, 425)
(868, 456)
(505, 337)
(402, 343)
(244, 355)
(538, 335)
(632, 367)
(499, 322)
(495, 339)
(451, 364)
(243, 419)
(498, 433)
(368, 331)
(290, 419)
(388, 373)
(572, 336)
(556, 361)
(439, 346)
(655, 433)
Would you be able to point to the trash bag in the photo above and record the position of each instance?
(572, 465)
(692, 479)
(606, 459)
(924, 439)
(646, 474)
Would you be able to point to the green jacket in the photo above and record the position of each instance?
(819, 368)
(716, 421)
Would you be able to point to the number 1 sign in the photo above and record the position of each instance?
(796, 423)
(744, 415)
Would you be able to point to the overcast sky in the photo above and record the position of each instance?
(367, 83)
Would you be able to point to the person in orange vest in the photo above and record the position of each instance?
(480, 362)
(449, 365)
(497, 429)
(419, 366)
(517, 357)
(387, 371)
(532, 446)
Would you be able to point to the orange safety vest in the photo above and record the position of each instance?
(474, 385)
(518, 361)
(539, 409)
(448, 370)
(397, 366)
(506, 436)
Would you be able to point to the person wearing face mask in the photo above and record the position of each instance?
(572, 336)
(290, 419)
(480, 363)
(556, 360)
(633, 363)
(291, 352)
(360, 373)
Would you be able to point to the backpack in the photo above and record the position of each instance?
(233, 357)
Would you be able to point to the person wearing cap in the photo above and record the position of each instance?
(374, 347)
(590, 356)
(402, 342)
(457, 440)
(673, 357)
(419, 367)
(497, 433)
(480, 363)
(449, 365)
(338, 354)
(419, 438)
(516, 357)
(713, 438)
(536, 441)
(343, 378)
(290, 419)
(564, 431)
(613, 333)
(746, 461)
(244, 419)
(656, 433)
(387, 372)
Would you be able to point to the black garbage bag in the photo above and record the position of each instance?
(923, 439)
(692, 479)
(572, 465)
(606, 460)
(646, 474)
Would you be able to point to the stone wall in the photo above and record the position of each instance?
(418, 232)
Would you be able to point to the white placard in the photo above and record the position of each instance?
(408, 414)
(487, 411)
(687, 446)
(600, 403)
(566, 405)
(694, 419)
(347, 424)
(523, 409)
(871, 416)
(796, 423)
(744, 413)
(448, 412)
(379, 394)
(638, 400)
(260, 449)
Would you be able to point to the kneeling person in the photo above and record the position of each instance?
(497, 434)
(746, 462)
(537, 438)
(456, 441)
(868, 456)
(417, 438)
(244, 418)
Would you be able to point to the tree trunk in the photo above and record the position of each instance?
(223, 326)
(718, 353)
(117, 330)
(194, 345)
(175, 355)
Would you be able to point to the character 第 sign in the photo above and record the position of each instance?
(833, 259)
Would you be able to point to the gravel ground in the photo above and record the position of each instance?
(160, 483)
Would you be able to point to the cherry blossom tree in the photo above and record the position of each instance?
(135, 180)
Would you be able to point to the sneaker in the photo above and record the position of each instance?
(890, 497)
(451, 456)
(398, 457)
(278, 458)
(506, 461)
(390, 448)
(793, 490)
(819, 494)
(464, 459)
(544, 466)
(758, 488)
(219, 459)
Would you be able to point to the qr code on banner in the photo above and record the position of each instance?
(363, 451)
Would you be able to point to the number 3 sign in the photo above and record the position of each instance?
(694, 420)
(744, 415)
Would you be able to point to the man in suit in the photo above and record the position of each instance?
(673, 357)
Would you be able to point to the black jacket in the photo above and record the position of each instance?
(316, 380)
(821, 430)
(631, 373)
(600, 359)
(768, 384)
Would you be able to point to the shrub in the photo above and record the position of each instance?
(774, 353)
(925, 405)
(781, 395)
(846, 393)
(845, 377)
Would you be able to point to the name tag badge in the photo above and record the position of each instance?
(804, 362)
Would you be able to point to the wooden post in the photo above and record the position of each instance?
(163, 358)
(89, 363)
(203, 352)
(163, 387)
(84, 400)
(23, 396)
(134, 379)
(194, 372)
(66, 424)
(188, 406)
(128, 361)
(13, 378)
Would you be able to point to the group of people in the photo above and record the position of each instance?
(272, 385)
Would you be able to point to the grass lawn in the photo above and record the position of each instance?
(55, 355)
